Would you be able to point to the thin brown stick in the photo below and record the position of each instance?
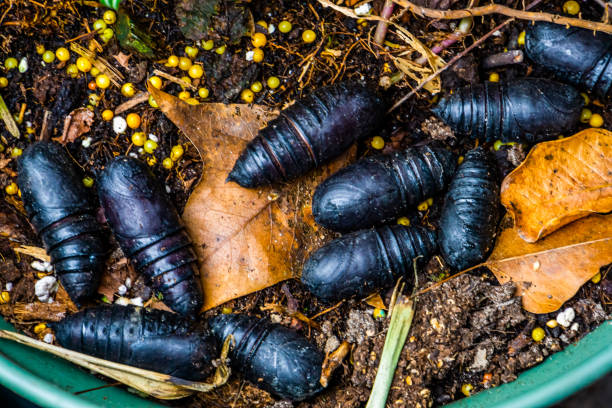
(506, 11)
(130, 103)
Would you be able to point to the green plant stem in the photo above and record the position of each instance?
(6, 116)
(401, 319)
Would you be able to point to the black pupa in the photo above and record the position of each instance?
(379, 188)
(62, 210)
(527, 110)
(272, 357)
(470, 212)
(146, 338)
(574, 54)
(307, 134)
(359, 263)
(150, 232)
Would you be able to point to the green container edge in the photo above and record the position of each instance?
(51, 382)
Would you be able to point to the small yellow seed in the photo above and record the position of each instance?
(133, 120)
(167, 163)
(285, 26)
(156, 82)
(466, 389)
(172, 62)
(203, 93)
(538, 334)
(247, 96)
(571, 7)
(151, 161)
(192, 101)
(309, 36)
(128, 89)
(497, 145)
(256, 86)
(11, 189)
(94, 72)
(39, 328)
(430, 201)
(196, 71)
(208, 45)
(107, 115)
(102, 81)
(521, 38)
(379, 313)
(186, 79)
(16, 152)
(191, 52)
(40, 49)
(596, 279)
(83, 64)
(72, 71)
(184, 95)
(139, 138)
(596, 120)
(221, 50)
(262, 24)
(48, 56)
(460, 160)
(88, 182)
(585, 97)
(378, 142)
(177, 152)
(552, 323)
(184, 63)
(109, 17)
(150, 146)
(227, 310)
(5, 297)
(494, 77)
(273, 82)
(403, 221)
(423, 206)
(152, 102)
(62, 54)
(3, 82)
(585, 115)
(259, 40)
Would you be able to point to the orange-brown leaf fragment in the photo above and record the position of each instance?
(559, 182)
(76, 124)
(246, 239)
(550, 271)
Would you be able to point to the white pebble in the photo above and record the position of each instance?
(48, 338)
(128, 282)
(45, 287)
(134, 155)
(23, 65)
(39, 266)
(141, 151)
(86, 142)
(9, 286)
(168, 189)
(249, 55)
(119, 125)
(121, 290)
(123, 301)
(153, 137)
(28, 123)
(363, 10)
(137, 301)
(48, 267)
(566, 317)
(271, 28)
(574, 327)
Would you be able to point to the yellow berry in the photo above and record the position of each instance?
(102, 81)
(48, 56)
(39, 328)
(3, 82)
(108, 115)
(10, 63)
(596, 120)
(186, 79)
(128, 89)
(203, 93)
(538, 334)
(258, 55)
(285, 26)
(191, 52)
(494, 77)
(88, 182)
(378, 142)
(497, 145)
(571, 7)
(429, 201)
(196, 71)
(106, 35)
(83, 64)
(309, 36)
(521, 38)
(151, 161)
(156, 82)
(177, 152)
(11, 189)
(167, 163)
(99, 25)
(184, 63)
(40, 49)
(247, 96)
(192, 101)
(139, 139)
(256, 86)
(585, 115)
(184, 95)
(62, 54)
(460, 160)
(94, 72)
(208, 45)
(152, 102)
(221, 50)
(173, 61)
(262, 24)
(466, 389)
(552, 323)
(227, 310)
(259, 40)
(150, 146)
(109, 17)
(5, 297)
(72, 71)
(16, 152)
(273, 82)
(585, 97)
(596, 279)
(133, 120)
(423, 206)
(403, 221)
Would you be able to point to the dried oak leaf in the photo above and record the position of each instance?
(246, 239)
(559, 182)
(75, 125)
(550, 271)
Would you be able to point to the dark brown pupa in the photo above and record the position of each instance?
(527, 110)
(150, 232)
(307, 134)
(62, 210)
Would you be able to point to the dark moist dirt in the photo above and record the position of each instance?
(469, 330)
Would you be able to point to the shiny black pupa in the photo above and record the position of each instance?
(359, 263)
(470, 213)
(151, 339)
(312, 131)
(379, 188)
(62, 210)
(151, 233)
(271, 356)
(527, 110)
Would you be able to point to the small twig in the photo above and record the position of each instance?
(130, 103)
(174, 79)
(381, 28)
(503, 58)
(506, 11)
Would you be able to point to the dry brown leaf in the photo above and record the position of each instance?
(550, 271)
(123, 59)
(246, 239)
(333, 361)
(559, 182)
(76, 124)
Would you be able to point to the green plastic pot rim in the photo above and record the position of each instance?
(557, 377)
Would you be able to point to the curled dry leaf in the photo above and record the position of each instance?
(559, 182)
(550, 271)
(76, 124)
(246, 239)
(332, 361)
